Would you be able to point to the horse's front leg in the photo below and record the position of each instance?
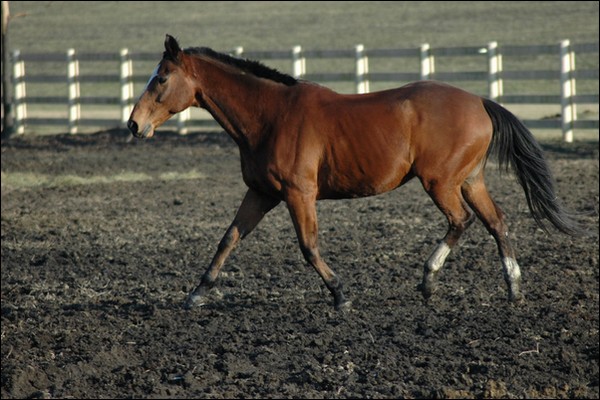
(302, 208)
(251, 211)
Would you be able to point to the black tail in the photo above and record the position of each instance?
(515, 146)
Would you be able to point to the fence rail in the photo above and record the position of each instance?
(491, 57)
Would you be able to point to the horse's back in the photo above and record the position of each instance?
(421, 111)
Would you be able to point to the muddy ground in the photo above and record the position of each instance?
(102, 238)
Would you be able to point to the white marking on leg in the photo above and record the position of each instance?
(438, 257)
(511, 269)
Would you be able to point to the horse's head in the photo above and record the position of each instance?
(168, 91)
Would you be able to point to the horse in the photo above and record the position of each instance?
(300, 142)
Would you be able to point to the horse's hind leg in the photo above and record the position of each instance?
(450, 201)
(251, 211)
(477, 196)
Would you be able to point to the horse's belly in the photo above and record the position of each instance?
(360, 182)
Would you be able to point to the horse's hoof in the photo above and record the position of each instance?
(344, 307)
(516, 299)
(426, 290)
(194, 301)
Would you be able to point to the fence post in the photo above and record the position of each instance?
(20, 92)
(567, 91)
(298, 62)
(427, 62)
(362, 69)
(182, 119)
(74, 91)
(126, 86)
(238, 51)
(495, 84)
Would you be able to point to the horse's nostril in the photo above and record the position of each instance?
(133, 126)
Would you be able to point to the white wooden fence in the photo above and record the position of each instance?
(493, 73)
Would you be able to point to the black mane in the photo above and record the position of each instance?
(250, 66)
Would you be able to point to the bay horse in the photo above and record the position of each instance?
(300, 142)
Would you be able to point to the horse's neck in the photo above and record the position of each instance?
(236, 100)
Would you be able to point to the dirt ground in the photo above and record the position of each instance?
(103, 237)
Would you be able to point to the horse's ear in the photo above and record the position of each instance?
(172, 49)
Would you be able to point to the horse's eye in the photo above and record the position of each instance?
(162, 79)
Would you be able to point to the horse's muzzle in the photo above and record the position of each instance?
(146, 132)
(133, 128)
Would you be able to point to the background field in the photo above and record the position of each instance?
(141, 26)
(259, 26)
